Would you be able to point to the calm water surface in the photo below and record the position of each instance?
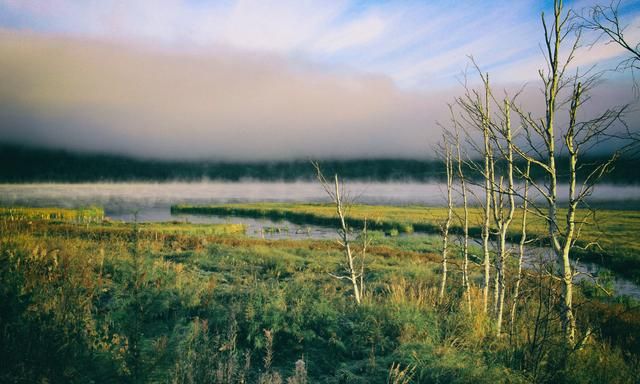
(122, 197)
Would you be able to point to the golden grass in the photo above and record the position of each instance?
(60, 214)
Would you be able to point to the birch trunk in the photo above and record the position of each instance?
(465, 223)
(488, 188)
(569, 322)
(344, 232)
(445, 229)
(560, 246)
(504, 221)
(521, 246)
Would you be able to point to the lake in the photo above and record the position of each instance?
(123, 198)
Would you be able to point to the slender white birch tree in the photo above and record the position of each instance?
(353, 272)
(488, 192)
(540, 141)
(465, 210)
(475, 113)
(448, 159)
(545, 137)
(521, 247)
(503, 206)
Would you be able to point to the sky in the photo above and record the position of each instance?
(255, 80)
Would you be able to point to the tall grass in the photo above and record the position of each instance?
(81, 304)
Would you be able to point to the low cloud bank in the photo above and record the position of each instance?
(99, 97)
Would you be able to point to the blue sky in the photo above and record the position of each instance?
(265, 79)
(416, 43)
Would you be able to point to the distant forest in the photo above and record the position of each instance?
(24, 164)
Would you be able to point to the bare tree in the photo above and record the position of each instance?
(539, 142)
(503, 205)
(606, 21)
(543, 140)
(545, 158)
(465, 209)
(448, 159)
(475, 113)
(488, 189)
(521, 246)
(353, 272)
(499, 204)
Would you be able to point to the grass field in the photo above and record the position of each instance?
(183, 303)
(612, 235)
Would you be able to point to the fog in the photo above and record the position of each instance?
(92, 96)
(128, 197)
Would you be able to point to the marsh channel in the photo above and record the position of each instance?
(151, 202)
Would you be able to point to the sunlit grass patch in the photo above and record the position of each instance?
(59, 214)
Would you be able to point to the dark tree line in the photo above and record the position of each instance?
(23, 164)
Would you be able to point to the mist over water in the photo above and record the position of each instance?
(114, 196)
(127, 197)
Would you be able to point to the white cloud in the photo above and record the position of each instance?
(275, 26)
(418, 44)
(358, 32)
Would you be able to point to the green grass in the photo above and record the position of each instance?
(60, 214)
(187, 228)
(612, 235)
(185, 303)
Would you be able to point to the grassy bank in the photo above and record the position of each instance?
(61, 214)
(177, 303)
(611, 235)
